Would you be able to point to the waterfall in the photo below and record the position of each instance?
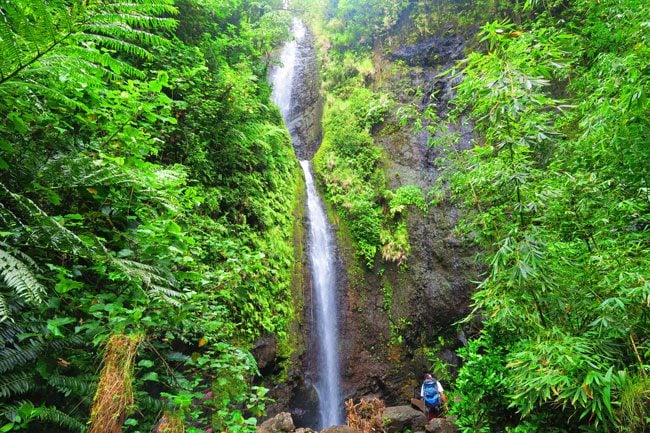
(323, 269)
(321, 253)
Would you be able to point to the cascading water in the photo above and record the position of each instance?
(321, 253)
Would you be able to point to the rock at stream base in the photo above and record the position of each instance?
(441, 425)
(395, 418)
(281, 423)
(340, 429)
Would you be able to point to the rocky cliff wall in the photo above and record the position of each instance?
(397, 320)
(304, 122)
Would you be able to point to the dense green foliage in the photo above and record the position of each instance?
(350, 165)
(554, 189)
(354, 23)
(146, 186)
(349, 162)
(557, 197)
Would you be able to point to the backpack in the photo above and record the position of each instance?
(431, 394)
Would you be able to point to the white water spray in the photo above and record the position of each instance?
(323, 268)
(321, 253)
(282, 76)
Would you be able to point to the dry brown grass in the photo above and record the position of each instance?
(365, 416)
(114, 394)
(170, 423)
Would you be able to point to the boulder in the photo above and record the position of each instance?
(265, 352)
(340, 429)
(441, 425)
(396, 418)
(281, 423)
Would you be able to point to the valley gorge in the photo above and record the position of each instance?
(275, 216)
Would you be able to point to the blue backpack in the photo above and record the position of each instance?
(431, 394)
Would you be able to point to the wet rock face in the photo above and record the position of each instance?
(437, 50)
(434, 290)
(265, 351)
(304, 121)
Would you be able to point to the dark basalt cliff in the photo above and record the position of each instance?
(304, 122)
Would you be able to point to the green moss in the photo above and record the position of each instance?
(351, 167)
(291, 345)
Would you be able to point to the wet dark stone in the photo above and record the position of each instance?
(304, 122)
(437, 50)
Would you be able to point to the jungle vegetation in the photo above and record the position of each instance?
(147, 186)
(146, 194)
(554, 190)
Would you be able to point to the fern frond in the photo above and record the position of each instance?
(125, 32)
(55, 416)
(11, 55)
(149, 7)
(45, 230)
(12, 358)
(84, 385)
(119, 45)
(19, 277)
(31, 31)
(44, 414)
(15, 88)
(148, 404)
(10, 330)
(4, 308)
(129, 16)
(81, 171)
(166, 294)
(13, 384)
(146, 274)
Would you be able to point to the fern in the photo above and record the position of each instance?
(56, 34)
(82, 385)
(44, 414)
(19, 277)
(13, 384)
(82, 171)
(19, 357)
(4, 308)
(46, 232)
(53, 415)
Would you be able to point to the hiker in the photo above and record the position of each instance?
(433, 395)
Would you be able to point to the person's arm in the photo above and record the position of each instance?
(442, 395)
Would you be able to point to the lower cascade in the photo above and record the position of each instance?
(321, 258)
(321, 254)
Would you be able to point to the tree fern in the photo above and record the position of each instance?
(32, 29)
